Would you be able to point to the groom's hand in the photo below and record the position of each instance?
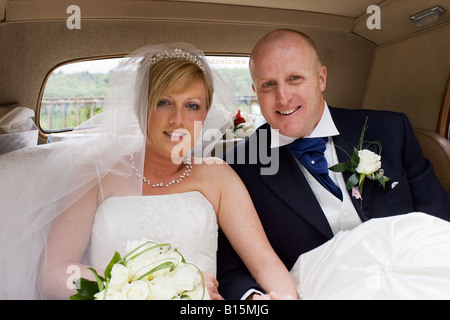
(212, 286)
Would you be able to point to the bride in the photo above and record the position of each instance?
(144, 183)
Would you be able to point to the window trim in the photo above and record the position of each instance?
(42, 133)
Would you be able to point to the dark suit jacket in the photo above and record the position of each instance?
(288, 209)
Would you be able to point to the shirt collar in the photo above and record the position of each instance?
(325, 128)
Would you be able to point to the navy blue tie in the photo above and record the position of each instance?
(310, 153)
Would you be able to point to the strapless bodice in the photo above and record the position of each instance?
(185, 220)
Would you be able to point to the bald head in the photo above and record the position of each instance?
(288, 79)
(284, 38)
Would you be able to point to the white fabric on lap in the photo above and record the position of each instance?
(400, 257)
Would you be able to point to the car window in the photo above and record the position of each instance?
(75, 91)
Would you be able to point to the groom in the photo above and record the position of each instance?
(299, 206)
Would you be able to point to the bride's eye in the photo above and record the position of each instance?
(163, 103)
(193, 106)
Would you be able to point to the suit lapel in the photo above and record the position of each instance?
(290, 185)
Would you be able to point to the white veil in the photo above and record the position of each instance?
(38, 183)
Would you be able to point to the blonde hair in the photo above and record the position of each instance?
(175, 75)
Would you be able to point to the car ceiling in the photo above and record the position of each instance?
(342, 15)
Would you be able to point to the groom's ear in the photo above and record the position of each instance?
(323, 78)
(253, 88)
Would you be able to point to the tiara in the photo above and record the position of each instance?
(178, 54)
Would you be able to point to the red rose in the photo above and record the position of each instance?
(238, 119)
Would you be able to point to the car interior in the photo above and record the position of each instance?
(379, 54)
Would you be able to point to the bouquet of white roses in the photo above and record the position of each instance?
(149, 271)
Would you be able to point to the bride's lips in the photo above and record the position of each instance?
(174, 135)
(288, 112)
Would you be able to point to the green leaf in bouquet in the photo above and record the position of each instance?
(204, 290)
(168, 264)
(115, 259)
(86, 289)
(131, 255)
(100, 280)
(182, 257)
(203, 283)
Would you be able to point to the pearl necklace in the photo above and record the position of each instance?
(161, 184)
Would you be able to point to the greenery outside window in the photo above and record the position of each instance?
(74, 92)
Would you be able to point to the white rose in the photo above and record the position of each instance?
(240, 133)
(162, 288)
(119, 277)
(172, 256)
(164, 257)
(142, 262)
(141, 265)
(249, 132)
(111, 294)
(229, 135)
(185, 278)
(137, 290)
(149, 260)
(369, 162)
(197, 294)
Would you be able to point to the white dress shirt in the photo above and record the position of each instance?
(341, 215)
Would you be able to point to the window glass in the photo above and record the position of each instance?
(236, 69)
(74, 92)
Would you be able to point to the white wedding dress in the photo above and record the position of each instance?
(399, 257)
(185, 220)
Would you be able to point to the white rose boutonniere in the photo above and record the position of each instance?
(363, 163)
(242, 125)
(369, 162)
